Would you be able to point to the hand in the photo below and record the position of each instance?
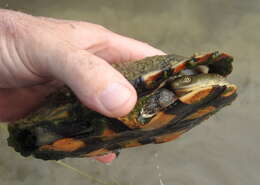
(38, 55)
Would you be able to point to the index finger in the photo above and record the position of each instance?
(121, 49)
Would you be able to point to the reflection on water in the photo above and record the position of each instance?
(220, 151)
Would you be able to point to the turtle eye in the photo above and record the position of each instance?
(181, 82)
(186, 80)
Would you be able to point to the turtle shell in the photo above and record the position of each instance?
(63, 127)
(152, 71)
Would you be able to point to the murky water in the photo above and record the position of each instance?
(223, 150)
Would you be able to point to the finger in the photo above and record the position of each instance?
(121, 49)
(98, 85)
(107, 158)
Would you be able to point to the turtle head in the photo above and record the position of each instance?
(199, 86)
(186, 84)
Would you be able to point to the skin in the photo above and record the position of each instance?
(39, 55)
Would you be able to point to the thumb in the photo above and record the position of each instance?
(95, 82)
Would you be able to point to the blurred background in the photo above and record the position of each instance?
(224, 150)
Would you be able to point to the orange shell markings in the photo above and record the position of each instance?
(159, 120)
(169, 137)
(196, 96)
(131, 123)
(108, 132)
(151, 77)
(201, 112)
(131, 143)
(229, 91)
(179, 68)
(65, 145)
(98, 152)
(202, 58)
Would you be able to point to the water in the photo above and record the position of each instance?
(223, 150)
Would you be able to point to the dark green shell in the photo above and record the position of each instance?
(63, 127)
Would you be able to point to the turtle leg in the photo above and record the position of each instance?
(155, 103)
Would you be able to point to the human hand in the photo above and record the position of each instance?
(39, 55)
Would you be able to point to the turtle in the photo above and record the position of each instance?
(175, 93)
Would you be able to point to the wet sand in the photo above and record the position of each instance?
(221, 151)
